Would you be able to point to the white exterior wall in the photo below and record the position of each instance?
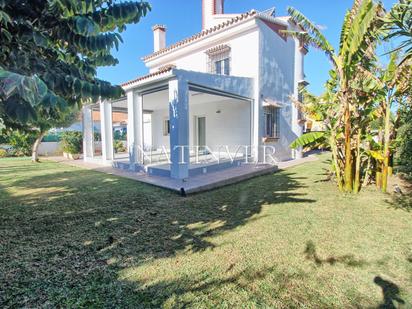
(193, 62)
(244, 55)
(277, 82)
(229, 127)
(256, 52)
(158, 117)
(50, 149)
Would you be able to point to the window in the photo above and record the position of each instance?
(222, 67)
(166, 127)
(218, 67)
(226, 66)
(271, 114)
(219, 60)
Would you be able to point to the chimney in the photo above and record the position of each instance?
(159, 35)
(210, 8)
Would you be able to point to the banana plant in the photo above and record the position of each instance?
(396, 83)
(309, 138)
(356, 49)
(398, 24)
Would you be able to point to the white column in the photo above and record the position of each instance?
(106, 130)
(179, 128)
(258, 126)
(87, 124)
(297, 127)
(135, 128)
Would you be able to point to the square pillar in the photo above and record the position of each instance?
(179, 128)
(106, 130)
(87, 125)
(297, 128)
(258, 124)
(135, 128)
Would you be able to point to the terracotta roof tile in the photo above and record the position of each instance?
(202, 34)
(218, 49)
(141, 78)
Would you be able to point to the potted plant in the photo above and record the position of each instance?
(72, 144)
(119, 146)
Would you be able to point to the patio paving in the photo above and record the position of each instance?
(193, 184)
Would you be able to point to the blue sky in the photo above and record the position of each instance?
(183, 18)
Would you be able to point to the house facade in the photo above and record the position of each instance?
(222, 93)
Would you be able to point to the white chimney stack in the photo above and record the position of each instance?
(210, 8)
(159, 35)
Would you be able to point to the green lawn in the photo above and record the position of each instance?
(77, 238)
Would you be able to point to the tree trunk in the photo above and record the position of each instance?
(386, 150)
(379, 178)
(367, 174)
(348, 173)
(390, 167)
(357, 183)
(335, 159)
(35, 148)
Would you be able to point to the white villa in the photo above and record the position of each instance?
(224, 92)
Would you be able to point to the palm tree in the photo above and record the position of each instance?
(395, 87)
(399, 25)
(356, 50)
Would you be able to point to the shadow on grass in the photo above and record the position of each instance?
(348, 260)
(390, 293)
(178, 293)
(402, 202)
(69, 233)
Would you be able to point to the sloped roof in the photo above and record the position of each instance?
(141, 78)
(266, 15)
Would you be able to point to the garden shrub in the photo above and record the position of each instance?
(119, 146)
(403, 155)
(72, 142)
(120, 135)
(21, 143)
(3, 138)
(3, 153)
(97, 136)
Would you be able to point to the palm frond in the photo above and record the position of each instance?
(398, 24)
(311, 29)
(307, 139)
(368, 75)
(356, 38)
(308, 40)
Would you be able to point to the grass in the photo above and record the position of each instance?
(77, 238)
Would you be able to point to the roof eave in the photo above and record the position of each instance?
(170, 49)
(240, 19)
(146, 80)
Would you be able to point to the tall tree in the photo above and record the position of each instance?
(50, 50)
(44, 122)
(356, 49)
(395, 88)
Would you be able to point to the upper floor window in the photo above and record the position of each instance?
(222, 67)
(219, 60)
